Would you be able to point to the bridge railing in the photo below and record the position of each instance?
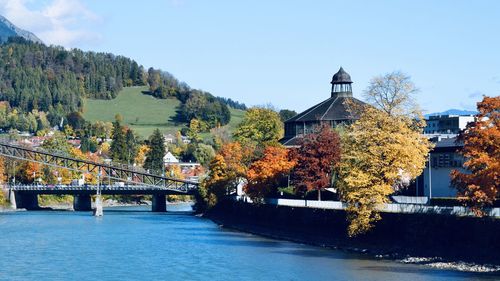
(110, 170)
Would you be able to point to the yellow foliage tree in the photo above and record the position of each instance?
(174, 171)
(3, 171)
(141, 155)
(105, 146)
(237, 158)
(215, 184)
(380, 152)
(3, 177)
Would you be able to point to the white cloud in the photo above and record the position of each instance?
(475, 94)
(60, 22)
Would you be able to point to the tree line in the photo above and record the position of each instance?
(365, 162)
(50, 79)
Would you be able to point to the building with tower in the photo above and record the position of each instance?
(333, 111)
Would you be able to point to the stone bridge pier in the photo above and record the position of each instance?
(23, 200)
(159, 203)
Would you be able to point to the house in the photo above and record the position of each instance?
(169, 139)
(334, 111)
(435, 181)
(185, 140)
(169, 158)
(442, 130)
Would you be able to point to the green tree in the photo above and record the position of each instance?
(131, 145)
(204, 153)
(75, 120)
(286, 114)
(118, 148)
(154, 157)
(260, 126)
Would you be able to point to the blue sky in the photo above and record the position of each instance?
(285, 52)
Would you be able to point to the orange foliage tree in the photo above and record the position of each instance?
(33, 171)
(479, 188)
(265, 174)
(226, 170)
(237, 159)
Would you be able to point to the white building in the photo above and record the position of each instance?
(169, 158)
(436, 181)
(169, 138)
(447, 124)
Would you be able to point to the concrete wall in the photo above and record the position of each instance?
(451, 237)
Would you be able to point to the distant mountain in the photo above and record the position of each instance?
(452, 111)
(7, 29)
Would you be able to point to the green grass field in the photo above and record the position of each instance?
(142, 113)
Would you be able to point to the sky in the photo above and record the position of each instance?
(285, 52)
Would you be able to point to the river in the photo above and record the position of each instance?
(131, 243)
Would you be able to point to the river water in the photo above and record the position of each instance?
(131, 243)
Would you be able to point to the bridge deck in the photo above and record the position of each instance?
(106, 190)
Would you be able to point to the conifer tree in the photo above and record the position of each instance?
(154, 157)
(118, 146)
(131, 146)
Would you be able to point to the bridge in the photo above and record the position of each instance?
(139, 181)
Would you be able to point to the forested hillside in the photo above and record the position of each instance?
(42, 85)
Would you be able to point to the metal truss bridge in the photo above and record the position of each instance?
(125, 173)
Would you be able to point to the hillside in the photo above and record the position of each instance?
(141, 112)
(452, 111)
(8, 29)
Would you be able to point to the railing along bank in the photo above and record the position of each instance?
(389, 208)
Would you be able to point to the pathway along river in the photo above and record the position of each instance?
(132, 243)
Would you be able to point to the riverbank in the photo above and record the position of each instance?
(447, 242)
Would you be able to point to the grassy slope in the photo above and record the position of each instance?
(141, 112)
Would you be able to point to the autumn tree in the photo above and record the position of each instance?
(33, 171)
(393, 93)
(3, 170)
(264, 174)
(142, 150)
(215, 185)
(195, 128)
(317, 155)
(379, 150)
(227, 169)
(3, 179)
(481, 185)
(260, 126)
(237, 158)
(156, 152)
